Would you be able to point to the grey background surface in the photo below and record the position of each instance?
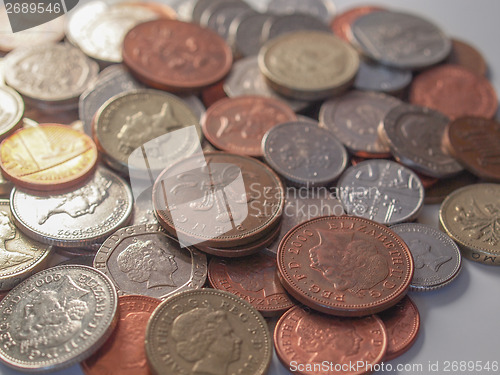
(459, 322)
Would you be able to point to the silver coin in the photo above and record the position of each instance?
(144, 260)
(143, 211)
(322, 9)
(287, 23)
(400, 40)
(381, 190)
(82, 260)
(302, 204)
(436, 256)
(52, 74)
(56, 318)
(98, 28)
(126, 122)
(20, 256)
(78, 218)
(245, 33)
(245, 78)
(201, 5)
(184, 9)
(220, 15)
(304, 153)
(11, 111)
(354, 118)
(415, 135)
(376, 77)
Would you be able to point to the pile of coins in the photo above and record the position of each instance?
(173, 175)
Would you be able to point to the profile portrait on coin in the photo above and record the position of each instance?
(335, 340)
(205, 338)
(9, 257)
(425, 255)
(143, 261)
(255, 274)
(348, 263)
(50, 319)
(79, 202)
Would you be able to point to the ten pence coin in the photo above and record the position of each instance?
(346, 266)
(207, 331)
(310, 338)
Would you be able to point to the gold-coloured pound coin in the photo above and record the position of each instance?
(47, 157)
(308, 65)
(207, 331)
(470, 217)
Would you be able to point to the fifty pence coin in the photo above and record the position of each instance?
(310, 338)
(304, 153)
(144, 260)
(52, 74)
(81, 217)
(345, 265)
(436, 256)
(124, 351)
(237, 125)
(415, 135)
(56, 318)
(253, 279)
(470, 216)
(400, 40)
(20, 256)
(48, 157)
(402, 323)
(308, 65)
(381, 190)
(146, 120)
(209, 331)
(354, 118)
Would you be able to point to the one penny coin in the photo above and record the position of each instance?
(47, 157)
(454, 91)
(345, 265)
(402, 323)
(465, 55)
(176, 56)
(311, 339)
(475, 143)
(253, 279)
(124, 351)
(219, 200)
(237, 125)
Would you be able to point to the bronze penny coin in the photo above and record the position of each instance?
(237, 125)
(465, 55)
(402, 323)
(47, 157)
(218, 199)
(213, 93)
(305, 340)
(341, 24)
(345, 265)
(176, 56)
(124, 352)
(454, 91)
(475, 143)
(253, 279)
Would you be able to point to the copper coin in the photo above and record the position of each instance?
(237, 125)
(47, 157)
(454, 91)
(213, 93)
(253, 279)
(176, 56)
(244, 250)
(475, 143)
(219, 200)
(341, 24)
(465, 55)
(124, 351)
(306, 340)
(345, 265)
(402, 323)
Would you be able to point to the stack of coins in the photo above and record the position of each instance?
(176, 174)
